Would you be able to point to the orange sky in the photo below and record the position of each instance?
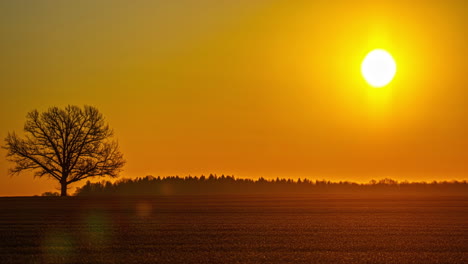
(250, 88)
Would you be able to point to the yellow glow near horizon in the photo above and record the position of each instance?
(378, 68)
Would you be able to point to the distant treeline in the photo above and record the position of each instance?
(175, 185)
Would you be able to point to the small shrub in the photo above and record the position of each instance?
(50, 194)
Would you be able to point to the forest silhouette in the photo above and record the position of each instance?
(213, 184)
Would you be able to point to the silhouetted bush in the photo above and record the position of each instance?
(213, 184)
(50, 194)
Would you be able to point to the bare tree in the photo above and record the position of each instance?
(69, 145)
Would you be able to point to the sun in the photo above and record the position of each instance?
(378, 68)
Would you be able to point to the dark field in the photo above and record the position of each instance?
(234, 229)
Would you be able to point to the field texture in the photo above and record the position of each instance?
(234, 229)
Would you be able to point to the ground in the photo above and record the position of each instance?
(235, 229)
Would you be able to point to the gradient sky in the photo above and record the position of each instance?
(250, 88)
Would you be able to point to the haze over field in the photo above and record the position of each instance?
(246, 88)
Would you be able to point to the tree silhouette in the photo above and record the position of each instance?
(69, 145)
(190, 185)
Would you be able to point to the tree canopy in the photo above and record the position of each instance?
(68, 145)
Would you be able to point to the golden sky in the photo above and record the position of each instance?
(250, 88)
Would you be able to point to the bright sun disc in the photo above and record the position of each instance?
(378, 68)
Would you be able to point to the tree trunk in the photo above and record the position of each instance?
(64, 189)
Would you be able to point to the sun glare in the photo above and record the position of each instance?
(378, 68)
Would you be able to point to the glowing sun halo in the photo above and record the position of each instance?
(378, 68)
